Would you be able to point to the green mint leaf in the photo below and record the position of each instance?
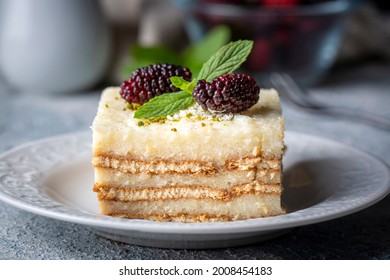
(134, 65)
(182, 84)
(155, 54)
(164, 105)
(191, 86)
(196, 54)
(143, 56)
(179, 82)
(226, 60)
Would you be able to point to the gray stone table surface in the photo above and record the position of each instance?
(364, 235)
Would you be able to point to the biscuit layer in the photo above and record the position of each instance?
(223, 179)
(178, 192)
(133, 165)
(194, 210)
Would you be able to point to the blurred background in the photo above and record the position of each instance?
(71, 45)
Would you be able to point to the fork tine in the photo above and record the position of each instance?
(297, 96)
(283, 85)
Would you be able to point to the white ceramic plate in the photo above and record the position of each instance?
(323, 180)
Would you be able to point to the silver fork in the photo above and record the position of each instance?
(300, 98)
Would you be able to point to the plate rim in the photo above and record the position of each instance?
(234, 227)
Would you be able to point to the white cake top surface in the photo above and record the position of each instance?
(192, 131)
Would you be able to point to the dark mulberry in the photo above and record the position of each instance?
(230, 93)
(153, 80)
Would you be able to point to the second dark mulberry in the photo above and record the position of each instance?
(150, 81)
(230, 93)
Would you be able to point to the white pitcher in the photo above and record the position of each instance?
(53, 46)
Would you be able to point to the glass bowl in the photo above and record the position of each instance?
(301, 40)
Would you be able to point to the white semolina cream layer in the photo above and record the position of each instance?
(255, 132)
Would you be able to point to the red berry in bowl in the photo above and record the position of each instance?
(261, 55)
(280, 3)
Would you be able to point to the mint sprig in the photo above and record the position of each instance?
(183, 84)
(196, 54)
(192, 57)
(164, 105)
(225, 60)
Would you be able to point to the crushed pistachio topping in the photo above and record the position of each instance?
(196, 113)
(147, 122)
(131, 106)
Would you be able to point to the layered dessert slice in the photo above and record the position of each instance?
(193, 166)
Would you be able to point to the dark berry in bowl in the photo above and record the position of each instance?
(279, 3)
(150, 81)
(230, 93)
(298, 37)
